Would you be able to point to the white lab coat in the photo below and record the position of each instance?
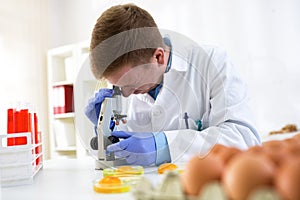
(203, 83)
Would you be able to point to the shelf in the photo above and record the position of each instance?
(59, 83)
(70, 148)
(63, 65)
(62, 51)
(64, 115)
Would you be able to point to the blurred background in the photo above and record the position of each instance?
(261, 37)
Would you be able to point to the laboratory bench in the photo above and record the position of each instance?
(74, 179)
(63, 179)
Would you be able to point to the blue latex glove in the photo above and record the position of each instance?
(92, 110)
(112, 124)
(136, 148)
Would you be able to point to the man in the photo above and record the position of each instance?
(182, 98)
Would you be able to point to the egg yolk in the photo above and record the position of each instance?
(124, 169)
(111, 184)
(110, 181)
(166, 167)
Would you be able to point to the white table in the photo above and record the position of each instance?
(72, 179)
(63, 179)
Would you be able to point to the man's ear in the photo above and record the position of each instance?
(159, 54)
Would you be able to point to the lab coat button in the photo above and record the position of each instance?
(156, 112)
(158, 118)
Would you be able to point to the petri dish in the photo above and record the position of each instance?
(124, 171)
(111, 184)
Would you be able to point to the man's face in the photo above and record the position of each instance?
(138, 79)
(142, 78)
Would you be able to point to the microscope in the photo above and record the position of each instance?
(111, 109)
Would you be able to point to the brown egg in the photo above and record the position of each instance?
(255, 149)
(297, 136)
(278, 157)
(293, 146)
(245, 173)
(287, 180)
(216, 149)
(276, 150)
(292, 141)
(228, 154)
(199, 172)
(275, 155)
(274, 144)
(224, 153)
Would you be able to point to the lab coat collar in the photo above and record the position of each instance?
(179, 63)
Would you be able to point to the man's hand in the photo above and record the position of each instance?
(136, 148)
(92, 110)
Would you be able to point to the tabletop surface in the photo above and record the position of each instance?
(63, 179)
(74, 178)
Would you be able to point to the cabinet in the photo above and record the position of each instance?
(64, 64)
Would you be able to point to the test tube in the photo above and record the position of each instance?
(10, 126)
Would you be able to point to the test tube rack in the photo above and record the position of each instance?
(20, 163)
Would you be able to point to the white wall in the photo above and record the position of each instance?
(23, 45)
(262, 38)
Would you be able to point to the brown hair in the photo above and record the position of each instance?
(123, 34)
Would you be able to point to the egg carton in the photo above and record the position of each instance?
(171, 188)
(20, 163)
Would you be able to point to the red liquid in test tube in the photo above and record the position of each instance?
(10, 126)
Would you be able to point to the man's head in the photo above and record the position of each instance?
(125, 37)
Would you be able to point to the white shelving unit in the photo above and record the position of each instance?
(64, 63)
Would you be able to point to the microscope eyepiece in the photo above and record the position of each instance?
(117, 90)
